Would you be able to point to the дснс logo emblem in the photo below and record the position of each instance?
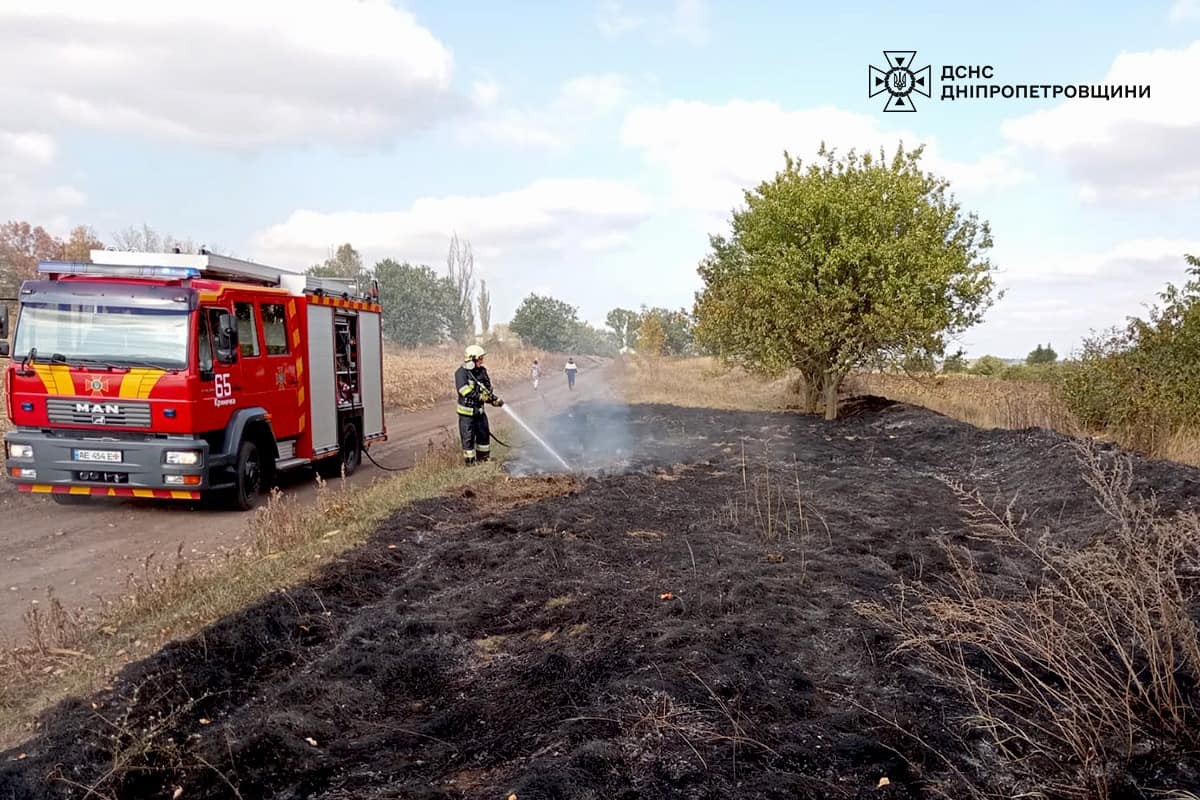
(900, 80)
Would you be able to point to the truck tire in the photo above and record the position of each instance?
(249, 483)
(349, 455)
(71, 499)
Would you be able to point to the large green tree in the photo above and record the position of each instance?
(546, 323)
(1041, 355)
(485, 309)
(841, 263)
(594, 341)
(955, 362)
(345, 262)
(624, 324)
(417, 303)
(677, 327)
(460, 270)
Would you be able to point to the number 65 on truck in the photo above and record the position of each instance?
(179, 376)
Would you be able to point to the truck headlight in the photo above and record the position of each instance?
(20, 450)
(183, 458)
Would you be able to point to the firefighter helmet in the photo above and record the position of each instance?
(474, 352)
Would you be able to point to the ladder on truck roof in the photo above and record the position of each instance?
(204, 265)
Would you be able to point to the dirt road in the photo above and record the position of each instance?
(87, 552)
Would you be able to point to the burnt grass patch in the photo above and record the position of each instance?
(626, 635)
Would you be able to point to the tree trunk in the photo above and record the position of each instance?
(829, 390)
(808, 387)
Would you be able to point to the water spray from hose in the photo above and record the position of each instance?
(539, 439)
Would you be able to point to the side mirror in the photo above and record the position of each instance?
(3, 320)
(227, 339)
(4, 351)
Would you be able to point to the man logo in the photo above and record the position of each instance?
(97, 408)
(900, 80)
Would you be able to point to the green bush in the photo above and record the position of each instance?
(1140, 382)
(990, 366)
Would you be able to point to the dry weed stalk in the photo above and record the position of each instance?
(53, 631)
(777, 518)
(1090, 664)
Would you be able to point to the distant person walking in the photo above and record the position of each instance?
(535, 373)
(571, 369)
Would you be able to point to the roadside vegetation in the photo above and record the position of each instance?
(68, 653)
(1133, 384)
(422, 377)
(840, 264)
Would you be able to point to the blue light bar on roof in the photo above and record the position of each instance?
(115, 270)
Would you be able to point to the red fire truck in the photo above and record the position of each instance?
(177, 376)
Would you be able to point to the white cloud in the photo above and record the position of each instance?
(485, 93)
(27, 188)
(578, 104)
(1127, 149)
(711, 153)
(1184, 9)
(685, 20)
(1062, 297)
(545, 218)
(593, 94)
(224, 73)
(613, 18)
(571, 238)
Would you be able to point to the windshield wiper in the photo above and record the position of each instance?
(25, 372)
(145, 364)
(96, 362)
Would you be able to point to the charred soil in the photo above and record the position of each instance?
(680, 627)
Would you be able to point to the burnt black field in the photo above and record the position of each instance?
(629, 632)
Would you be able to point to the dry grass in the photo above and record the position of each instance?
(983, 402)
(68, 654)
(702, 382)
(424, 376)
(998, 403)
(1077, 672)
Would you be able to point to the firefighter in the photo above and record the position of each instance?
(474, 390)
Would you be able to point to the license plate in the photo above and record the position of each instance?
(110, 456)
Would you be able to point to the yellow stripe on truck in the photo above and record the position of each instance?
(139, 382)
(56, 378)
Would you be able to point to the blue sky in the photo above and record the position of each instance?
(587, 149)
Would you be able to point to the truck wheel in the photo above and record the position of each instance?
(71, 499)
(250, 484)
(349, 455)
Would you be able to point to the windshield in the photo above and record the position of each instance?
(114, 335)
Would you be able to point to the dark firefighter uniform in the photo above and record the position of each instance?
(474, 391)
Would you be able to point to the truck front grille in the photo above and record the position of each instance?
(95, 411)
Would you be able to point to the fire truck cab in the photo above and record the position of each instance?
(178, 376)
